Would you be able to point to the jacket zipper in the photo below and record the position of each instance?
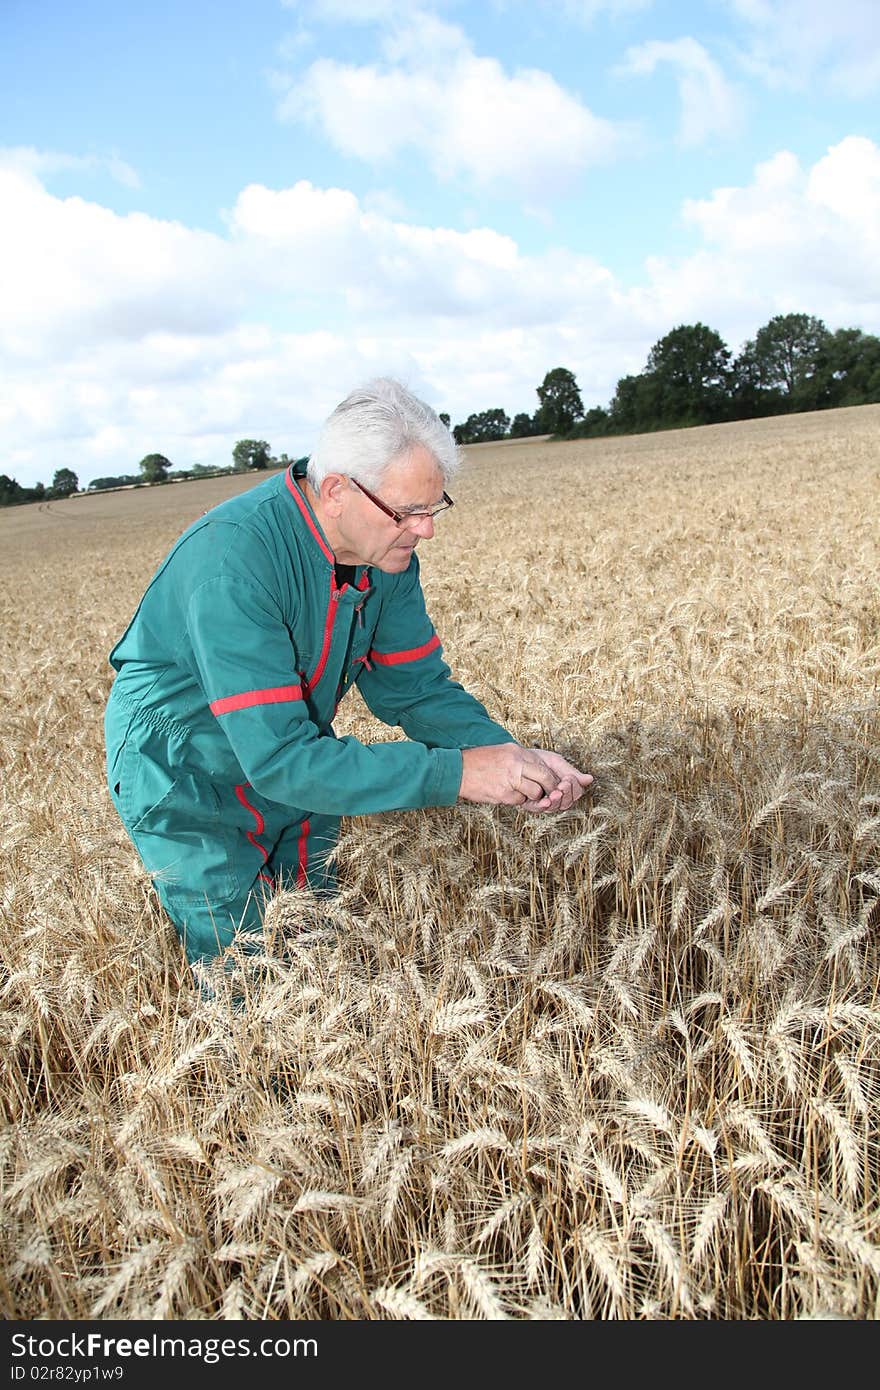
(330, 619)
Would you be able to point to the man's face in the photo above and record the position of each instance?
(411, 481)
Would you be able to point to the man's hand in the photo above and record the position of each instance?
(506, 774)
(570, 788)
(533, 778)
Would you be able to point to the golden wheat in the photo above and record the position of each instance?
(621, 1062)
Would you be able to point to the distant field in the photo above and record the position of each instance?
(617, 1063)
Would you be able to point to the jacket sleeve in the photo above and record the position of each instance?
(245, 661)
(407, 683)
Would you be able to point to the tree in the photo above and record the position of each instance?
(522, 426)
(154, 468)
(250, 453)
(595, 422)
(445, 419)
(10, 491)
(848, 368)
(64, 483)
(748, 395)
(787, 351)
(118, 480)
(635, 407)
(560, 402)
(12, 494)
(483, 427)
(691, 369)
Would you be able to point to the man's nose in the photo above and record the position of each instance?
(424, 525)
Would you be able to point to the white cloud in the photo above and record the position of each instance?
(710, 105)
(328, 243)
(47, 162)
(790, 212)
(386, 202)
(125, 335)
(792, 43)
(519, 133)
(794, 239)
(847, 183)
(71, 270)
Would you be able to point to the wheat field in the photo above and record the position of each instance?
(617, 1063)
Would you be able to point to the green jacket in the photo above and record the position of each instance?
(243, 646)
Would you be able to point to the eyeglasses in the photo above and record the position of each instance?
(401, 518)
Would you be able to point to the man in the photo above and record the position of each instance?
(221, 756)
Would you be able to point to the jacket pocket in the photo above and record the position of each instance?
(177, 829)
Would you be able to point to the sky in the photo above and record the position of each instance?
(218, 217)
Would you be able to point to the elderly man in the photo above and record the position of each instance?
(221, 755)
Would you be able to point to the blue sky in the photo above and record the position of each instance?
(220, 217)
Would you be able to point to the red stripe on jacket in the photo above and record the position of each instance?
(275, 695)
(413, 654)
(261, 823)
(303, 864)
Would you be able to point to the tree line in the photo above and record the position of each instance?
(247, 455)
(64, 483)
(793, 363)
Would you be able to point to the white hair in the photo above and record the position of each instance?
(376, 424)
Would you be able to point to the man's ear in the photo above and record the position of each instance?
(332, 490)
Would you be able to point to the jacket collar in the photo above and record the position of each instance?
(294, 476)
